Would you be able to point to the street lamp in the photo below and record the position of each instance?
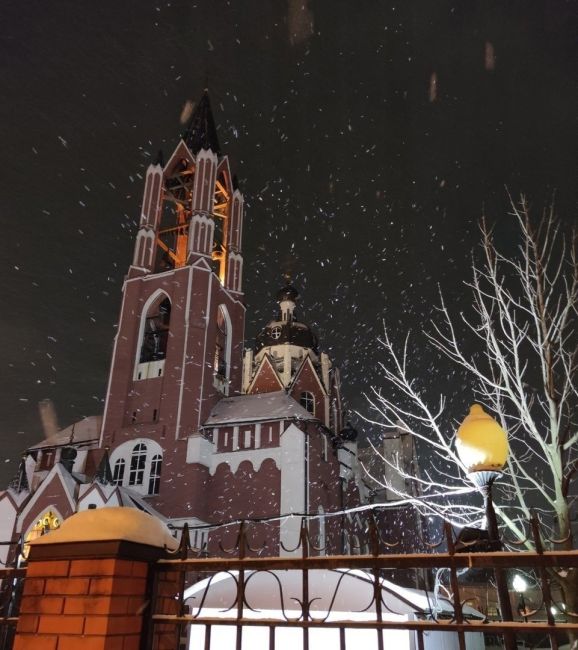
(482, 446)
(520, 586)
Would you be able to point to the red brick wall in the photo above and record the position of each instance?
(86, 604)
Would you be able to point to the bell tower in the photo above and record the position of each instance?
(180, 333)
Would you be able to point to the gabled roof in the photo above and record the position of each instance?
(265, 370)
(261, 407)
(307, 363)
(83, 432)
(201, 131)
(58, 475)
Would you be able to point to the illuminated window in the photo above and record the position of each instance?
(137, 464)
(156, 332)
(155, 476)
(49, 521)
(307, 401)
(118, 474)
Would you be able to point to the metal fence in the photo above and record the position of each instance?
(305, 599)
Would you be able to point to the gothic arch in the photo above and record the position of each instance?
(223, 347)
(154, 300)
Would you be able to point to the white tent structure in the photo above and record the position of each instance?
(335, 595)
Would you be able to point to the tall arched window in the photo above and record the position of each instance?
(156, 332)
(155, 475)
(118, 474)
(221, 344)
(137, 464)
(307, 401)
(222, 359)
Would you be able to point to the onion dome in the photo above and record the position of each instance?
(286, 329)
(287, 293)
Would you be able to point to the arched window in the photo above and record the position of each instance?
(137, 464)
(155, 475)
(156, 332)
(221, 344)
(221, 364)
(307, 401)
(118, 474)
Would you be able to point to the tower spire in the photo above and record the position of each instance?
(201, 132)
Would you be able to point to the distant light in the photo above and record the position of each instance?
(433, 87)
(519, 584)
(553, 610)
(489, 56)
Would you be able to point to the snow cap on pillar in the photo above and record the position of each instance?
(111, 524)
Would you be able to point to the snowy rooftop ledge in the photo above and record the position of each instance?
(111, 524)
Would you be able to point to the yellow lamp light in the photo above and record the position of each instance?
(481, 443)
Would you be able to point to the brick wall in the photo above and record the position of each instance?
(84, 603)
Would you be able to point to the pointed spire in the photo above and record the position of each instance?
(160, 159)
(103, 473)
(20, 482)
(201, 132)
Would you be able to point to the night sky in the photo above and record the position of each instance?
(368, 138)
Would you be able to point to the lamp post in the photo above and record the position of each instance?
(482, 446)
(520, 586)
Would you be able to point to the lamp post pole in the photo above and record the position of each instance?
(520, 587)
(485, 480)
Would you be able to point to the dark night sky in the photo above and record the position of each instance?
(356, 183)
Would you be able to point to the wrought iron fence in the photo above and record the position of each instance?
(304, 599)
(11, 582)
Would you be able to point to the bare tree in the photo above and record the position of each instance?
(524, 368)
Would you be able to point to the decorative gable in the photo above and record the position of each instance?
(308, 390)
(266, 379)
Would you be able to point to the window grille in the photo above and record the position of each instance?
(155, 476)
(137, 464)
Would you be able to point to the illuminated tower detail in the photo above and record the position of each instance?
(191, 432)
(179, 343)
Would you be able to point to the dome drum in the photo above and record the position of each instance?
(279, 333)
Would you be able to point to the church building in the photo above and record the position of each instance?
(196, 429)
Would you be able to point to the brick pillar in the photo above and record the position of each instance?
(88, 584)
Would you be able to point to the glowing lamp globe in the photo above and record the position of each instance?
(481, 443)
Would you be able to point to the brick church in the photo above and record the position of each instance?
(196, 429)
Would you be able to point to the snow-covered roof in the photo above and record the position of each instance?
(85, 431)
(261, 407)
